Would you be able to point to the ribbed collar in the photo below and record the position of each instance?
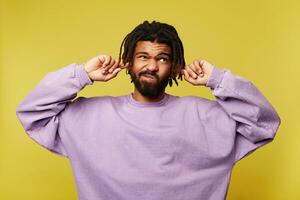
(134, 102)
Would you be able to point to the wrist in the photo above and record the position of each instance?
(214, 78)
(86, 71)
(82, 76)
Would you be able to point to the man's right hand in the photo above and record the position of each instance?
(103, 68)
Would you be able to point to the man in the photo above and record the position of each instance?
(149, 144)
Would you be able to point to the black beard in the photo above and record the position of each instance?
(151, 91)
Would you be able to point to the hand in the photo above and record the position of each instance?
(198, 73)
(103, 68)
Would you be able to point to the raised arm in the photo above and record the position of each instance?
(257, 121)
(39, 112)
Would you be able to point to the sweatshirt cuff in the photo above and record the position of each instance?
(82, 75)
(215, 78)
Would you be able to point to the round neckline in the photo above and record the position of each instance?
(134, 102)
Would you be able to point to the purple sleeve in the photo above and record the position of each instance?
(39, 111)
(257, 121)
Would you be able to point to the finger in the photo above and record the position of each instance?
(113, 74)
(107, 60)
(114, 66)
(202, 62)
(122, 66)
(109, 65)
(101, 59)
(116, 71)
(198, 67)
(193, 67)
(188, 78)
(191, 72)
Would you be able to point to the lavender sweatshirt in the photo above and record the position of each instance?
(181, 148)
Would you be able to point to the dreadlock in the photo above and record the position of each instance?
(155, 32)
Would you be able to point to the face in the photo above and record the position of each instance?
(151, 68)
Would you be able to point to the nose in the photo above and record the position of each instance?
(152, 65)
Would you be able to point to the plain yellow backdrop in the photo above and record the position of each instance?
(256, 39)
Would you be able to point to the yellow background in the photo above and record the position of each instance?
(258, 39)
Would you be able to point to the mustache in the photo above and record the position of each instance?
(148, 73)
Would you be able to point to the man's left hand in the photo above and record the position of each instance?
(198, 73)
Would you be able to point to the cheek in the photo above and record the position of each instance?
(165, 70)
(137, 66)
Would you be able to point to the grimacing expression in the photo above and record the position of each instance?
(151, 68)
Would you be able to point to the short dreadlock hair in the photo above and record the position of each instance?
(155, 32)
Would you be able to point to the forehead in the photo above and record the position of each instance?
(152, 47)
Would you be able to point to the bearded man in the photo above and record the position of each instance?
(149, 145)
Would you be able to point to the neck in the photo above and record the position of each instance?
(139, 97)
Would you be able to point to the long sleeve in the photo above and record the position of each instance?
(256, 119)
(39, 112)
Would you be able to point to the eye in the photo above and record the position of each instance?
(163, 59)
(142, 57)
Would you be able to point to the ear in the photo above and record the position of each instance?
(128, 69)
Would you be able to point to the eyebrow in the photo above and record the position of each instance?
(142, 52)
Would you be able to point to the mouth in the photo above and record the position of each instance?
(148, 76)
